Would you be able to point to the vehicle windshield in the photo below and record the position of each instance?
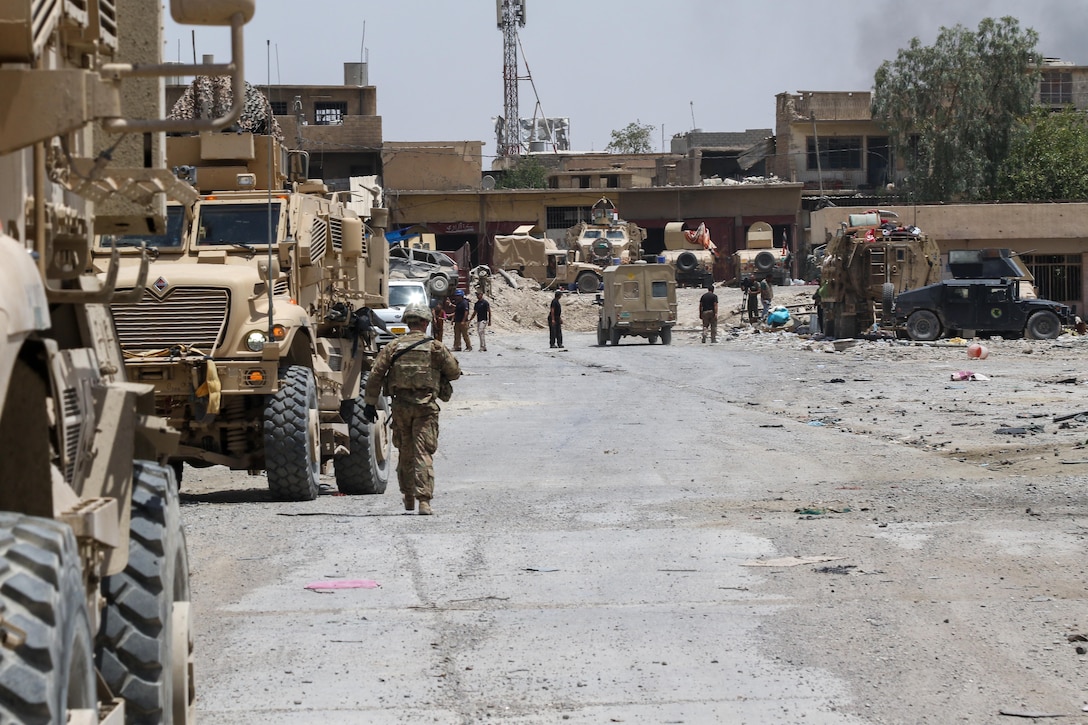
(235, 223)
(402, 295)
(616, 234)
(175, 220)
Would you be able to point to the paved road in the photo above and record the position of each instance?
(597, 512)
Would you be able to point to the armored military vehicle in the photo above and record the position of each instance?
(254, 321)
(691, 252)
(761, 259)
(638, 299)
(538, 258)
(606, 238)
(94, 578)
(871, 259)
(985, 296)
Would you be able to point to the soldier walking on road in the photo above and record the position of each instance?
(417, 371)
(460, 323)
(555, 321)
(708, 312)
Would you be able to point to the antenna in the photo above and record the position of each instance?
(510, 14)
(362, 45)
(692, 103)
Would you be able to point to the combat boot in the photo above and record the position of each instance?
(424, 507)
(409, 502)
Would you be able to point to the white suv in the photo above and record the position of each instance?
(402, 292)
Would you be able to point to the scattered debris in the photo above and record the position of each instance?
(788, 561)
(838, 569)
(968, 375)
(1030, 714)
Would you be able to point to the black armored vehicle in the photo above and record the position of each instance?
(990, 294)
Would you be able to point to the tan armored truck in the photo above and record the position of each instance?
(870, 260)
(606, 239)
(538, 258)
(761, 259)
(691, 252)
(638, 299)
(254, 322)
(94, 579)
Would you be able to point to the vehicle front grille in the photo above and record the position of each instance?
(189, 316)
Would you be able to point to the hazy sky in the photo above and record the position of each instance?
(674, 64)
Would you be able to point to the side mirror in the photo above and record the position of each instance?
(269, 272)
(210, 12)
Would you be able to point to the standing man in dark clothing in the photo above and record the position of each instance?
(708, 312)
(481, 312)
(460, 323)
(750, 289)
(555, 321)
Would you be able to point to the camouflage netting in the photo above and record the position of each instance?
(212, 97)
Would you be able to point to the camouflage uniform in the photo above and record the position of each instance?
(413, 383)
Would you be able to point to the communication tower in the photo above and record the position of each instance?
(510, 14)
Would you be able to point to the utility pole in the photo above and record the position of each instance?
(511, 14)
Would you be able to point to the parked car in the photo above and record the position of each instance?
(435, 269)
(402, 292)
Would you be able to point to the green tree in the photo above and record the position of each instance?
(950, 108)
(526, 173)
(634, 139)
(1048, 159)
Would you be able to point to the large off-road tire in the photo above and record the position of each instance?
(686, 262)
(602, 335)
(144, 648)
(652, 338)
(666, 335)
(887, 302)
(292, 437)
(41, 585)
(438, 285)
(614, 335)
(587, 283)
(923, 326)
(764, 261)
(365, 470)
(1043, 325)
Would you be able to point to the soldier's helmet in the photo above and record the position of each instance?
(418, 311)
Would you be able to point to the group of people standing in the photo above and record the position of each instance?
(463, 315)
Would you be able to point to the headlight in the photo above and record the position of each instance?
(255, 340)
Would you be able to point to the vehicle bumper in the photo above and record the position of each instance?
(180, 377)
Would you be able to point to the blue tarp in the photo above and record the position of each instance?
(400, 235)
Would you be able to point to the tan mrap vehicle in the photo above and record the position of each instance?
(94, 580)
(538, 258)
(606, 238)
(871, 259)
(761, 259)
(254, 323)
(638, 299)
(691, 252)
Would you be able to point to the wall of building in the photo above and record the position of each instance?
(432, 166)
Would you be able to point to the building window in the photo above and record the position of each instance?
(1057, 276)
(564, 217)
(330, 113)
(1056, 88)
(279, 108)
(611, 181)
(836, 152)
